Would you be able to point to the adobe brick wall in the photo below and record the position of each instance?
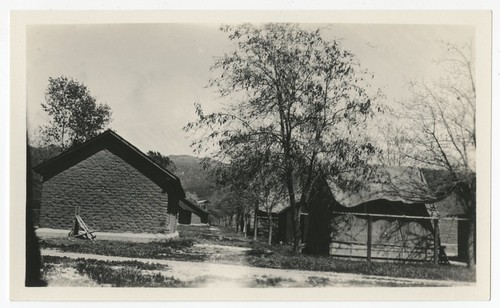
(113, 197)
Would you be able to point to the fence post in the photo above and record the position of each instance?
(436, 240)
(369, 240)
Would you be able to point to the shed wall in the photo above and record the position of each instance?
(195, 219)
(391, 239)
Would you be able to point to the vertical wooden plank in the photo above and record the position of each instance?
(369, 241)
(436, 241)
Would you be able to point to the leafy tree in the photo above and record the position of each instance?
(252, 178)
(162, 160)
(230, 205)
(295, 95)
(40, 154)
(234, 196)
(75, 114)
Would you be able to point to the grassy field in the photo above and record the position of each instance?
(194, 244)
(285, 258)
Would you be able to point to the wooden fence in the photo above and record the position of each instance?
(419, 246)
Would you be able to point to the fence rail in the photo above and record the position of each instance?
(430, 251)
(399, 216)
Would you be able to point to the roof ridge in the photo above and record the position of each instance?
(142, 153)
(47, 167)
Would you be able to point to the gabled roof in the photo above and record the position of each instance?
(399, 184)
(114, 143)
(189, 206)
(402, 184)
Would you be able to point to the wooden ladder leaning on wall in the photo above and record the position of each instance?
(80, 225)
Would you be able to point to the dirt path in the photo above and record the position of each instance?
(217, 275)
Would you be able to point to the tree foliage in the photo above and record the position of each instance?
(162, 160)
(75, 115)
(294, 95)
(193, 197)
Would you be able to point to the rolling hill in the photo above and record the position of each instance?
(192, 175)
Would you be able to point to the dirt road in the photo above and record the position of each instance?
(235, 276)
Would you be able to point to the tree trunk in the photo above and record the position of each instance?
(295, 208)
(245, 222)
(237, 223)
(270, 237)
(297, 234)
(471, 238)
(255, 225)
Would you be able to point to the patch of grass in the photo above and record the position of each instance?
(48, 267)
(260, 255)
(104, 272)
(315, 281)
(50, 261)
(114, 273)
(172, 249)
(213, 235)
(266, 282)
(290, 260)
(120, 273)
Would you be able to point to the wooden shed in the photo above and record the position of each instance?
(392, 216)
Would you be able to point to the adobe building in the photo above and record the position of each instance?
(117, 188)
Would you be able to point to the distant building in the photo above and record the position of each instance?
(203, 203)
(286, 224)
(190, 213)
(115, 185)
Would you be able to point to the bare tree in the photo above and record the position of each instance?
(393, 142)
(442, 117)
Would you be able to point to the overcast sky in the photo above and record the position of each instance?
(151, 74)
